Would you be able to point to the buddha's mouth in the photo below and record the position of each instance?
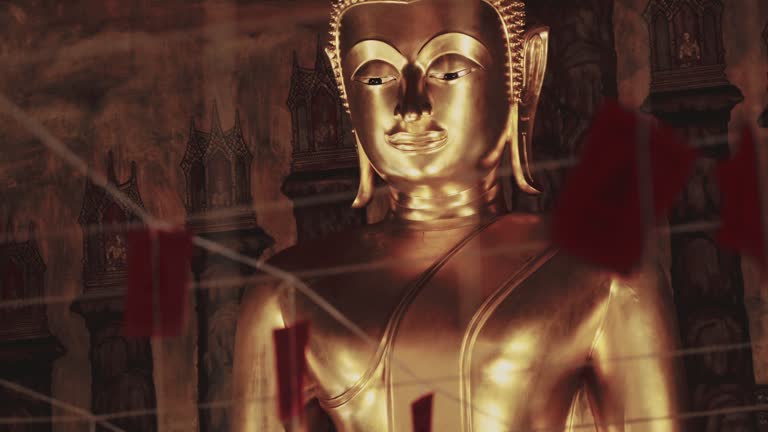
(417, 142)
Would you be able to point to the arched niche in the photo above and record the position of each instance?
(219, 180)
(242, 178)
(662, 42)
(11, 279)
(302, 128)
(685, 33)
(324, 120)
(198, 195)
(114, 241)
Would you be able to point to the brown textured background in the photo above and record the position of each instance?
(129, 75)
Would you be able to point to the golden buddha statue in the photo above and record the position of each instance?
(462, 298)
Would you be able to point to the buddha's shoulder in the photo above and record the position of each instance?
(346, 247)
(531, 233)
(530, 226)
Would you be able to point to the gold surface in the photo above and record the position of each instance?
(510, 339)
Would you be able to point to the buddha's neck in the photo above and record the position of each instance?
(468, 207)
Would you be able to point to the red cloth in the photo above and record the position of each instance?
(174, 255)
(741, 227)
(165, 269)
(599, 217)
(137, 317)
(421, 413)
(290, 359)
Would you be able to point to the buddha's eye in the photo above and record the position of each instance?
(375, 81)
(375, 73)
(451, 67)
(450, 76)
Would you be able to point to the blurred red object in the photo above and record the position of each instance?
(158, 273)
(741, 227)
(290, 346)
(599, 216)
(421, 412)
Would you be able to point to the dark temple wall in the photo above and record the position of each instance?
(128, 76)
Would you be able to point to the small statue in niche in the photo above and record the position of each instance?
(116, 253)
(690, 52)
(220, 196)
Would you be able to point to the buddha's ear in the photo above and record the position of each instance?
(365, 189)
(535, 47)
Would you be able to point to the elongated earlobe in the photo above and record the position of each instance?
(523, 113)
(518, 152)
(365, 189)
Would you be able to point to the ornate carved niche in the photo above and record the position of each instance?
(22, 275)
(27, 348)
(686, 44)
(217, 167)
(105, 222)
(121, 368)
(324, 154)
(321, 135)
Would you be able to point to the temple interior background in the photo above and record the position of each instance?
(223, 115)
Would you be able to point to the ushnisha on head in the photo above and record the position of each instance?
(436, 89)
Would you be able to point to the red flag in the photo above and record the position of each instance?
(137, 317)
(421, 413)
(290, 346)
(173, 259)
(741, 227)
(599, 214)
(158, 265)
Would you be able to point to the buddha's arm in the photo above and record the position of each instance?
(253, 381)
(637, 382)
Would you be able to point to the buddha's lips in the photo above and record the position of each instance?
(417, 142)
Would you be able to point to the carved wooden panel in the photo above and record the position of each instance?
(27, 349)
(321, 134)
(217, 168)
(104, 249)
(121, 368)
(324, 155)
(689, 91)
(686, 43)
(22, 275)
(121, 374)
(320, 219)
(217, 312)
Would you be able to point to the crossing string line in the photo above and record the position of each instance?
(239, 281)
(740, 409)
(82, 413)
(275, 205)
(209, 245)
(297, 284)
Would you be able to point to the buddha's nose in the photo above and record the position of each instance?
(413, 100)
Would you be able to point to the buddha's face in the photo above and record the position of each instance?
(427, 91)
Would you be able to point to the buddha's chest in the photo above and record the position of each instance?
(472, 334)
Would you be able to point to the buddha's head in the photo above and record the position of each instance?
(436, 89)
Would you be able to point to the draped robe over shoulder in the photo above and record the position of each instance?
(507, 332)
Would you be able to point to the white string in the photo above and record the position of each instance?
(57, 403)
(57, 147)
(283, 204)
(266, 399)
(100, 181)
(237, 282)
